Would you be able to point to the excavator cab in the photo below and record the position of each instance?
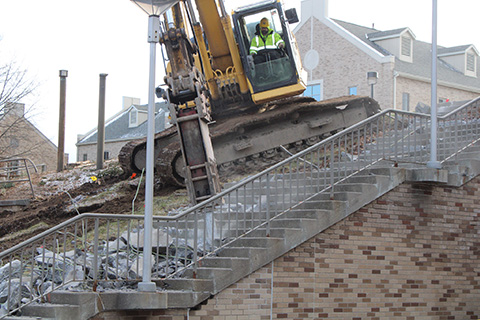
(270, 70)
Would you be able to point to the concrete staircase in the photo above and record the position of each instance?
(246, 254)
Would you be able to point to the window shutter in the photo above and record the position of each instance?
(406, 46)
(133, 117)
(470, 62)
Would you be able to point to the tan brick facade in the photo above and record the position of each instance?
(21, 139)
(420, 91)
(411, 254)
(342, 65)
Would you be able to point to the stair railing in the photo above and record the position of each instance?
(105, 251)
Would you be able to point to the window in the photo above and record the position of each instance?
(406, 46)
(314, 91)
(352, 91)
(406, 101)
(14, 142)
(106, 155)
(470, 62)
(133, 117)
(85, 158)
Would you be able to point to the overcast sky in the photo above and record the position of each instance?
(90, 37)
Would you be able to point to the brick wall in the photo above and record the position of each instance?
(411, 254)
(420, 91)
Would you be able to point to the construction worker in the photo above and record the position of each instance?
(265, 43)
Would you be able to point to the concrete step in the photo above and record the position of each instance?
(26, 318)
(182, 284)
(221, 277)
(223, 262)
(53, 311)
(324, 204)
(233, 251)
(274, 232)
(131, 300)
(299, 213)
(338, 195)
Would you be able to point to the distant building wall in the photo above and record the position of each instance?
(90, 150)
(22, 140)
(411, 254)
(343, 65)
(420, 91)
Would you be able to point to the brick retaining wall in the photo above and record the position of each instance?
(411, 254)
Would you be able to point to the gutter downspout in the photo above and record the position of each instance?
(395, 75)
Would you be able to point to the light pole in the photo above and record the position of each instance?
(434, 163)
(153, 8)
(372, 77)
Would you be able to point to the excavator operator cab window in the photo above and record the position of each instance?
(268, 63)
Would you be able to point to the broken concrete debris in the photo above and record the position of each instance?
(119, 265)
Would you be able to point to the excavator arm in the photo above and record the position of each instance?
(189, 108)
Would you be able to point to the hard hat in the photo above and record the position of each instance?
(264, 23)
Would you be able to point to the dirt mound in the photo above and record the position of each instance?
(61, 196)
(82, 189)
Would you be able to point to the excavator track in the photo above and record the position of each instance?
(254, 139)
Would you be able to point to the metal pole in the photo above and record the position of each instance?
(61, 122)
(147, 284)
(101, 122)
(371, 92)
(433, 163)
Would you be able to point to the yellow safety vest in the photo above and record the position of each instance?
(271, 41)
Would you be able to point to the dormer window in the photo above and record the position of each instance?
(462, 58)
(398, 42)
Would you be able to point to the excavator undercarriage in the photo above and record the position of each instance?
(247, 139)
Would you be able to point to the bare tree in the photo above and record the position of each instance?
(14, 86)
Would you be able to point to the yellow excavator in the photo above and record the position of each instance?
(229, 107)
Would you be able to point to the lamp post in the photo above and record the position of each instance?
(372, 77)
(153, 8)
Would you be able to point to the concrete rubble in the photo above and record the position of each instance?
(119, 259)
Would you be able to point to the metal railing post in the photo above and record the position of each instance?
(95, 250)
(268, 204)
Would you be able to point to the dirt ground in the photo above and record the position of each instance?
(61, 196)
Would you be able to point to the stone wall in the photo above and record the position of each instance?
(411, 254)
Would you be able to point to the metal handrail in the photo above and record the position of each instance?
(251, 204)
(29, 179)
